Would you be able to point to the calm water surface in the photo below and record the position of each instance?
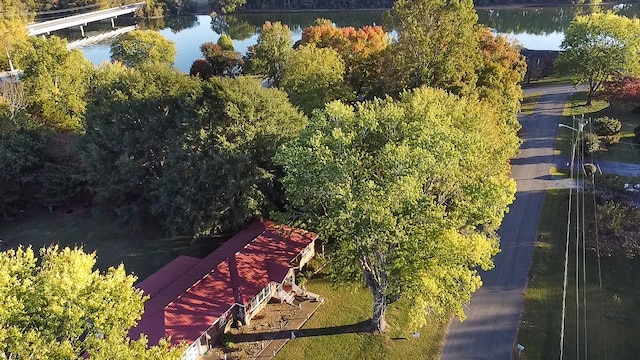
(533, 28)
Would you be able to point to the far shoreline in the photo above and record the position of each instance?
(203, 8)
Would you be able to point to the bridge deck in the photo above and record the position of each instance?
(80, 20)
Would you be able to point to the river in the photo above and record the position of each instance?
(532, 28)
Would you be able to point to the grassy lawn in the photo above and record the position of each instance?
(143, 251)
(550, 80)
(628, 150)
(350, 308)
(528, 103)
(613, 316)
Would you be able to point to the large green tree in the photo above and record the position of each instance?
(410, 193)
(314, 76)
(219, 173)
(267, 58)
(597, 46)
(437, 45)
(58, 307)
(143, 47)
(56, 82)
(196, 155)
(133, 115)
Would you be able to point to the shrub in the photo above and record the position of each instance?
(227, 340)
(611, 139)
(202, 69)
(606, 126)
(591, 143)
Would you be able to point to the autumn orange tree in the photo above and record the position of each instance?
(357, 47)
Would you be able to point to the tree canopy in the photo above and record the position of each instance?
(314, 76)
(143, 46)
(222, 57)
(58, 307)
(133, 114)
(12, 33)
(358, 49)
(597, 46)
(267, 58)
(620, 89)
(219, 174)
(437, 46)
(56, 81)
(410, 194)
(499, 75)
(196, 155)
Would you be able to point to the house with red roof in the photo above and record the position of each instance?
(194, 300)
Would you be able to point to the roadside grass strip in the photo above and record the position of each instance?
(613, 319)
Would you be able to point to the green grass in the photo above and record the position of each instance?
(628, 150)
(550, 80)
(558, 172)
(575, 106)
(528, 103)
(609, 322)
(540, 323)
(143, 251)
(352, 306)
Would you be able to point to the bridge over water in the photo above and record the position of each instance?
(81, 20)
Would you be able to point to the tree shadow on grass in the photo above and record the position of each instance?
(357, 328)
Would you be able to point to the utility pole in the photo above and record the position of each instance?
(579, 132)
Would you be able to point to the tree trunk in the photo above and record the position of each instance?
(378, 321)
(589, 97)
(380, 304)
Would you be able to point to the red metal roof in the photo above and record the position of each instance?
(165, 276)
(188, 297)
(199, 307)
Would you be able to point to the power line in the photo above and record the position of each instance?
(597, 238)
(584, 263)
(566, 249)
(576, 137)
(579, 137)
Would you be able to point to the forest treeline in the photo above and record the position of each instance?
(258, 5)
(37, 6)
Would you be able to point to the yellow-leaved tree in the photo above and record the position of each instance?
(58, 307)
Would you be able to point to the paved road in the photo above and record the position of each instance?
(493, 315)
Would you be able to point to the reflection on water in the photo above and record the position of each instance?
(533, 28)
